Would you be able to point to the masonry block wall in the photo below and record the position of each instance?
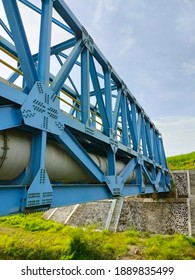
(191, 180)
(173, 213)
(166, 215)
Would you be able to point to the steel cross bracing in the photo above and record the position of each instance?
(65, 91)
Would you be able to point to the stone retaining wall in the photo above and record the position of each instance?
(93, 213)
(164, 216)
(157, 215)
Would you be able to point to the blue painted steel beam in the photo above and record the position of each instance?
(132, 128)
(38, 151)
(144, 144)
(65, 194)
(108, 97)
(10, 117)
(67, 15)
(81, 193)
(111, 162)
(65, 87)
(117, 108)
(12, 94)
(13, 77)
(66, 68)
(21, 42)
(12, 199)
(6, 28)
(62, 195)
(148, 138)
(8, 46)
(113, 87)
(70, 144)
(45, 42)
(126, 172)
(99, 97)
(85, 97)
(98, 74)
(39, 11)
(148, 175)
(163, 157)
(125, 133)
(57, 49)
(133, 190)
(63, 46)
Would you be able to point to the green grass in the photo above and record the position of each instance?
(30, 237)
(170, 247)
(182, 162)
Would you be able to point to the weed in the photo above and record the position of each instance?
(30, 237)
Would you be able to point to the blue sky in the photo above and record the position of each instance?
(151, 45)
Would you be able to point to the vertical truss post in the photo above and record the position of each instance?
(134, 122)
(108, 98)
(41, 181)
(44, 42)
(139, 129)
(38, 151)
(124, 120)
(163, 157)
(143, 132)
(113, 180)
(148, 139)
(85, 96)
(155, 149)
(108, 104)
(139, 176)
(39, 193)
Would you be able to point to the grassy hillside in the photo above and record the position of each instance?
(182, 162)
(30, 237)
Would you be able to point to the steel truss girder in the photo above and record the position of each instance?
(103, 113)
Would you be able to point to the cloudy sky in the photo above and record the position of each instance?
(151, 45)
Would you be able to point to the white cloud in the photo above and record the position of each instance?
(188, 69)
(178, 134)
(126, 41)
(104, 9)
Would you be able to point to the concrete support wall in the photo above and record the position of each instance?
(168, 215)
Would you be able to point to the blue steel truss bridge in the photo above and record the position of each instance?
(70, 129)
